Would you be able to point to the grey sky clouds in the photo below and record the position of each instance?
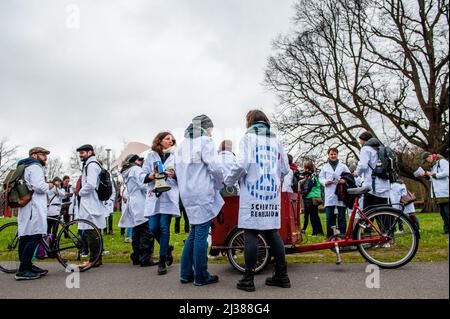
(132, 69)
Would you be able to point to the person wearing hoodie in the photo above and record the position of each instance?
(91, 207)
(380, 188)
(261, 165)
(329, 177)
(133, 210)
(200, 179)
(439, 183)
(32, 218)
(160, 207)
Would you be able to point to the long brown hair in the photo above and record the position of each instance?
(256, 116)
(226, 145)
(156, 146)
(308, 165)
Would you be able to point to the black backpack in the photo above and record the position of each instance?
(387, 164)
(295, 180)
(105, 187)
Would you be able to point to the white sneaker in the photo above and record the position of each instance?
(212, 257)
(84, 255)
(128, 240)
(105, 252)
(399, 232)
(387, 245)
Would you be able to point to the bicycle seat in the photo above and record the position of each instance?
(359, 190)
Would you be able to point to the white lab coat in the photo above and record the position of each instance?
(55, 196)
(397, 191)
(287, 182)
(228, 159)
(109, 204)
(32, 219)
(327, 173)
(368, 160)
(440, 183)
(260, 167)
(168, 202)
(91, 208)
(200, 179)
(133, 199)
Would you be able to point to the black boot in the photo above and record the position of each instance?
(169, 255)
(279, 278)
(162, 267)
(246, 283)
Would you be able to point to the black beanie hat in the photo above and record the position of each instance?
(205, 121)
(366, 136)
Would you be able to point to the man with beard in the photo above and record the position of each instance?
(32, 218)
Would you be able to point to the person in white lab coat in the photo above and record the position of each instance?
(109, 210)
(439, 183)
(160, 207)
(261, 165)
(55, 197)
(380, 188)
(133, 210)
(329, 177)
(200, 179)
(91, 207)
(32, 218)
(398, 190)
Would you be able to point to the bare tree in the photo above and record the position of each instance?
(7, 157)
(54, 168)
(354, 65)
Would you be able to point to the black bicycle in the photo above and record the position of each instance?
(67, 243)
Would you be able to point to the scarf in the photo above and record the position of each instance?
(29, 161)
(261, 128)
(193, 132)
(333, 164)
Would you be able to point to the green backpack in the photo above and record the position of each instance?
(15, 189)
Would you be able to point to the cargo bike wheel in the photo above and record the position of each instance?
(235, 252)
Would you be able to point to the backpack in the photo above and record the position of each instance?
(105, 187)
(16, 192)
(295, 181)
(387, 164)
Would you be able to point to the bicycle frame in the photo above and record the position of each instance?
(348, 240)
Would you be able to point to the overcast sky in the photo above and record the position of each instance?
(132, 68)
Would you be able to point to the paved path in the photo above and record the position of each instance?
(321, 281)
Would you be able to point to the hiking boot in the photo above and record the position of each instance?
(246, 283)
(162, 267)
(279, 278)
(26, 275)
(39, 271)
(169, 255)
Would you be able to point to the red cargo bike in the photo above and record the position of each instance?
(373, 234)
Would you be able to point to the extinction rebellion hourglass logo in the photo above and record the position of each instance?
(266, 187)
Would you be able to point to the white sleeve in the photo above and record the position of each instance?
(363, 164)
(211, 159)
(37, 180)
(92, 171)
(443, 169)
(241, 166)
(284, 161)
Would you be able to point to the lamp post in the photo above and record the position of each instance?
(108, 164)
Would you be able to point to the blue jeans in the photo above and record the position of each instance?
(129, 232)
(331, 219)
(194, 260)
(160, 227)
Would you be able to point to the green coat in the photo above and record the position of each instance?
(316, 191)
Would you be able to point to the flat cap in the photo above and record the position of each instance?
(132, 158)
(86, 147)
(38, 150)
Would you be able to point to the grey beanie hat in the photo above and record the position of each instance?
(204, 121)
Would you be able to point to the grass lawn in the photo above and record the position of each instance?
(433, 245)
